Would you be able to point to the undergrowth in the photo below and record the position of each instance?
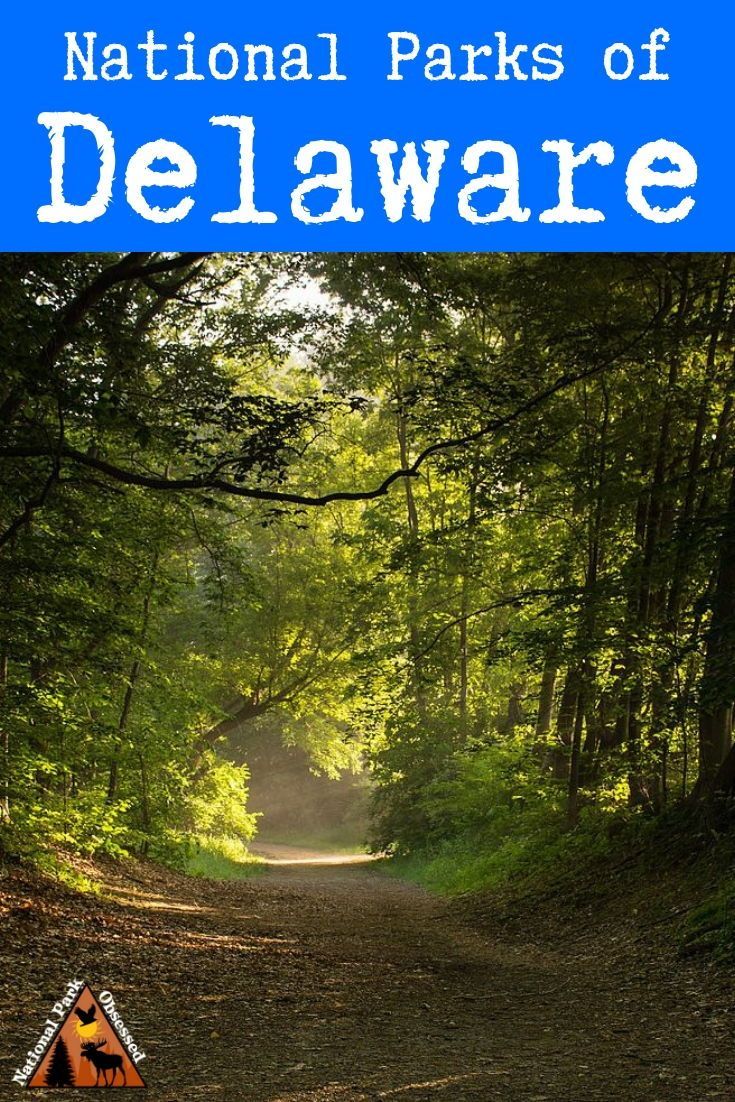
(711, 926)
(534, 851)
(692, 848)
(493, 817)
(211, 856)
(220, 858)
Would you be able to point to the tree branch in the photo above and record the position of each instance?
(31, 505)
(515, 599)
(209, 481)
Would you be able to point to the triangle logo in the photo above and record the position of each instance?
(86, 1051)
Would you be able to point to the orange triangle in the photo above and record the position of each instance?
(86, 1051)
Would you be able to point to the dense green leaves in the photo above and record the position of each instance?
(204, 520)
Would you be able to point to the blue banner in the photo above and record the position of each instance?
(329, 126)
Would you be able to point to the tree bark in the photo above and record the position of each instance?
(565, 724)
(465, 605)
(717, 687)
(133, 677)
(684, 550)
(575, 761)
(412, 522)
(4, 746)
(546, 699)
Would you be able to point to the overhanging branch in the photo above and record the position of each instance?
(211, 481)
(514, 600)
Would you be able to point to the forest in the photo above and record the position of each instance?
(466, 521)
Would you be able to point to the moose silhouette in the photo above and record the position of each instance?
(103, 1062)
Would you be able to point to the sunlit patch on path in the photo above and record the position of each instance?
(275, 853)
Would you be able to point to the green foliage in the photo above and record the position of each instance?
(217, 803)
(527, 852)
(497, 819)
(710, 928)
(531, 631)
(219, 858)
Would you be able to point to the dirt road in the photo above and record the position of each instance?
(326, 981)
(277, 854)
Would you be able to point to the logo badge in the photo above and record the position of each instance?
(85, 1044)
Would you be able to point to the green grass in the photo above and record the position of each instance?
(710, 928)
(463, 865)
(220, 858)
(542, 852)
(207, 856)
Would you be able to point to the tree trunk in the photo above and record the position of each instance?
(133, 676)
(122, 724)
(145, 806)
(684, 549)
(514, 715)
(4, 747)
(575, 762)
(546, 701)
(717, 687)
(465, 605)
(565, 724)
(412, 520)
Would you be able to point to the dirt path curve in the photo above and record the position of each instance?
(327, 981)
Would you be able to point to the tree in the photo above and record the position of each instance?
(60, 1072)
(469, 516)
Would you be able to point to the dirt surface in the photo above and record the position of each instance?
(276, 853)
(327, 981)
